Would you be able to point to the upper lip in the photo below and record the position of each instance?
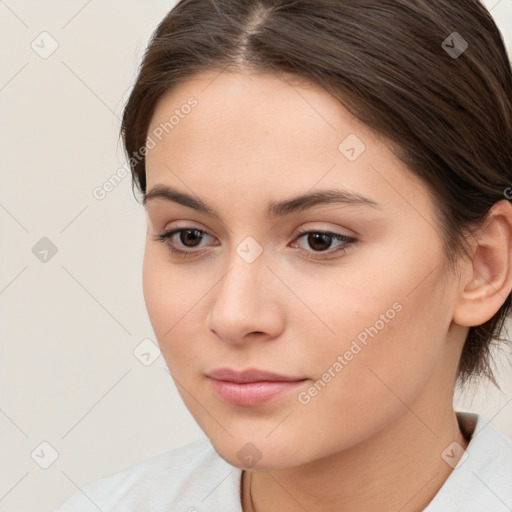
(249, 375)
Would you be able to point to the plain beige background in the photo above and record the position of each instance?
(78, 394)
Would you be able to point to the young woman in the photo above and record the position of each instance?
(328, 254)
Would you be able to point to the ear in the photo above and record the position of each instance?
(487, 278)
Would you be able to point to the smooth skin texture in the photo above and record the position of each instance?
(373, 437)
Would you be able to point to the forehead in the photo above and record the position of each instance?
(247, 111)
(254, 133)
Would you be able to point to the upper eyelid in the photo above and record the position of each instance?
(298, 233)
(174, 231)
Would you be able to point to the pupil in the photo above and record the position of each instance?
(313, 238)
(185, 236)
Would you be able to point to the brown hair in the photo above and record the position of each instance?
(395, 64)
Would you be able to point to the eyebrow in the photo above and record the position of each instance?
(274, 208)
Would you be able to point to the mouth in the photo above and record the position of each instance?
(251, 387)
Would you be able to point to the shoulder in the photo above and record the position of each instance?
(482, 480)
(184, 477)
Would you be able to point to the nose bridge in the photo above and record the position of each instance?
(241, 302)
(244, 280)
(246, 265)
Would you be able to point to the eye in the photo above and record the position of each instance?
(187, 235)
(319, 241)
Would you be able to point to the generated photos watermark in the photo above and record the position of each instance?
(157, 134)
(356, 346)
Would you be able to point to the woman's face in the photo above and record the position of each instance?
(361, 324)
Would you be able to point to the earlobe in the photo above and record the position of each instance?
(488, 280)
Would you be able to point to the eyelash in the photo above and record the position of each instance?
(166, 236)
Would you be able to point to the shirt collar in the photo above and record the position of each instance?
(482, 478)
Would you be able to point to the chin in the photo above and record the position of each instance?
(258, 455)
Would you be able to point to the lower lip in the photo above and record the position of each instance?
(252, 393)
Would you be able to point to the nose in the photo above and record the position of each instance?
(246, 303)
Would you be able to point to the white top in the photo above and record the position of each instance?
(194, 478)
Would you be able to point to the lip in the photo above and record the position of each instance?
(251, 387)
(250, 375)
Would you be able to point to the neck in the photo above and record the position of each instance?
(400, 468)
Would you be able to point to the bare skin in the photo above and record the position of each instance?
(373, 437)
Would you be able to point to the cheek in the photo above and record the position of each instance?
(167, 291)
(387, 320)
(160, 299)
(175, 301)
(354, 396)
